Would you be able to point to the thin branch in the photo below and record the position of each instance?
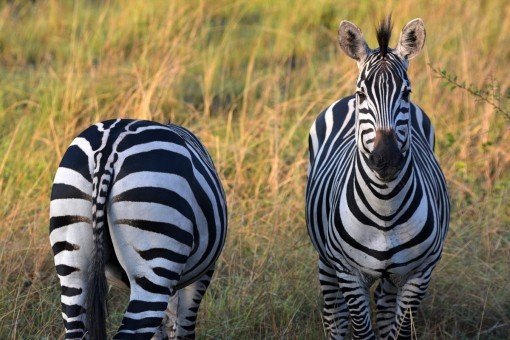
(482, 95)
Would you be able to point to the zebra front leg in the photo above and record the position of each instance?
(385, 298)
(356, 293)
(408, 301)
(335, 313)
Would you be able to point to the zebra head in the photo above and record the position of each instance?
(382, 94)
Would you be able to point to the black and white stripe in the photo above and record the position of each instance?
(140, 203)
(377, 205)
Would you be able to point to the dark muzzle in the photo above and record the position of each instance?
(386, 160)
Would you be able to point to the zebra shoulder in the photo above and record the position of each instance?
(336, 117)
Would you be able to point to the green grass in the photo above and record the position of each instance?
(249, 78)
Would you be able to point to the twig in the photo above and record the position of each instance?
(482, 95)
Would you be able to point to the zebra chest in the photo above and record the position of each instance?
(375, 246)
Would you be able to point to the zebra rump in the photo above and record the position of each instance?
(139, 203)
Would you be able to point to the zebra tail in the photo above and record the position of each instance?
(97, 284)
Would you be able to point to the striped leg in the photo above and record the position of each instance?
(167, 328)
(357, 296)
(385, 298)
(71, 241)
(335, 313)
(408, 300)
(152, 272)
(71, 257)
(181, 315)
(145, 312)
(152, 239)
(149, 296)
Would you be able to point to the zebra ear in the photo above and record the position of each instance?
(412, 39)
(352, 42)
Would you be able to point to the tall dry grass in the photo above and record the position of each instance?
(248, 77)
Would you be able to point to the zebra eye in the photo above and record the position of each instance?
(362, 96)
(405, 94)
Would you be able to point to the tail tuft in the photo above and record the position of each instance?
(96, 297)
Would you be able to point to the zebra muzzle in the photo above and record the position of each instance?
(386, 160)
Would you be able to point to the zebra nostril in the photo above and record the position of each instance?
(377, 160)
(398, 161)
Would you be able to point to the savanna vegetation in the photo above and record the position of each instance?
(248, 77)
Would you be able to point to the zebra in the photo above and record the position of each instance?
(377, 206)
(139, 203)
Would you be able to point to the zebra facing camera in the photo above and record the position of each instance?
(377, 205)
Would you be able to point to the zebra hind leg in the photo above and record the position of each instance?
(181, 314)
(146, 309)
(335, 312)
(385, 298)
(166, 330)
(72, 272)
(71, 241)
(153, 273)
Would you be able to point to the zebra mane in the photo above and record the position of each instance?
(383, 32)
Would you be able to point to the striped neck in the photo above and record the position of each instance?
(384, 198)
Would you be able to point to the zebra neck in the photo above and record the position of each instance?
(383, 199)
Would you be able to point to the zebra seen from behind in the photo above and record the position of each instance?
(140, 203)
(377, 206)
